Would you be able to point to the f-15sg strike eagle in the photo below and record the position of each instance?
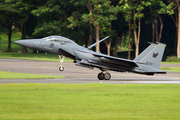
(148, 62)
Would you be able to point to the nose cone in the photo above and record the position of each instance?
(26, 43)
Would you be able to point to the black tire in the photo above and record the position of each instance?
(101, 76)
(107, 76)
(61, 69)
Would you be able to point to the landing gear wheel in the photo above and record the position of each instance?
(61, 69)
(107, 76)
(101, 76)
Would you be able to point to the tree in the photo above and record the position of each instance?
(7, 16)
(138, 15)
(178, 32)
(174, 7)
(126, 8)
(51, 16)
(0, 44)
(23, 10)
(164, 7)
(52, 19)
(23, 17)
(99, 15)
(155, 8)
(120, 28)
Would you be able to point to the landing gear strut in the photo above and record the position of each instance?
(102, 76)
(61, 68)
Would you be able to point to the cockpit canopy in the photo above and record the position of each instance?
(58, 39)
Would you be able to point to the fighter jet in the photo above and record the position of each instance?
(148, 62)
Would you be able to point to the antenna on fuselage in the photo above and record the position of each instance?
(97, 42)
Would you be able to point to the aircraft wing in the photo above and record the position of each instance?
(115, 60)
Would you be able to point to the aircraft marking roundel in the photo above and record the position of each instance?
(51, 45)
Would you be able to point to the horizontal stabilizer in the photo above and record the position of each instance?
(97, 42)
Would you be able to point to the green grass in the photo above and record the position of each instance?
(170, 62)
(4, 41)
(89, 101)
(172, 69)
(13, 75)
(172, 59)
(32, 56)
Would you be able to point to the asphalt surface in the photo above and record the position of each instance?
(80, 75)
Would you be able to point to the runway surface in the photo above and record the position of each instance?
(79, 75)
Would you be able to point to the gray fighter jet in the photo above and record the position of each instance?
(148, 62)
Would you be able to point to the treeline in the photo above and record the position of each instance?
(129, 23)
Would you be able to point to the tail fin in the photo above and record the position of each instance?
(152, 55)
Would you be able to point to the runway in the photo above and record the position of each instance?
(79, 75)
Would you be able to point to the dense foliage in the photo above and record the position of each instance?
(129, 23)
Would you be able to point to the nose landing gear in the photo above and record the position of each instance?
(61, 68)
(102, 76)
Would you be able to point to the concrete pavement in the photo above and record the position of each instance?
(75, 74)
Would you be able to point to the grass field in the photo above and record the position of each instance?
(89, 101)
(172, 69)
(4, 41)
(13, 75)
(33, 56)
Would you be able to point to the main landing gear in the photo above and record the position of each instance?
(102, 76)
(61, 68)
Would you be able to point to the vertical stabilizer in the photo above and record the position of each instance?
(152, 55)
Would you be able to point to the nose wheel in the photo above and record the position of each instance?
(61, 68)
(102, 76)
